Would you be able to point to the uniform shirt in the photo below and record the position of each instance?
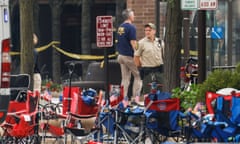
(150, 52)
(126, 32)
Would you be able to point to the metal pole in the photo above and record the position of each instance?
(201, 45)
(186, 22)
(229, 34)
(106, 74)
(157, 18)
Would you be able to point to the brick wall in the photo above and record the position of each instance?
(144, 13)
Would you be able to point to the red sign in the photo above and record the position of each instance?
(208, 4)
(104, 31)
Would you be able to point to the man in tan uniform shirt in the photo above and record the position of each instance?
(149, 57)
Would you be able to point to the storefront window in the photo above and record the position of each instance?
(222, 35)
(219, 36)
(235, 32)
(216, 35)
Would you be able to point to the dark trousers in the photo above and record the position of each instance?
(150, 74)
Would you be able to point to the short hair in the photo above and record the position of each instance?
(126, 13)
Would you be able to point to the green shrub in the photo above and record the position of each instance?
(217, 79)
(188, 98)
(220, 78)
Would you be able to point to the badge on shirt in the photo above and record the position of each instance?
(121, 30)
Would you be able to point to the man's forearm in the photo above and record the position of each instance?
(134, 44)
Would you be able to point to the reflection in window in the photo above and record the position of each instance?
(218, 34)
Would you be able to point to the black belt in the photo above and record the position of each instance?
(153, 69)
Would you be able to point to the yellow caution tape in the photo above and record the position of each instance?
(82, 57)
(72, 55)
(14, 53)
(102, 64)
(40, 49)
(191, 52)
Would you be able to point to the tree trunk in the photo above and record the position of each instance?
(36, 18)
(86, 24)
(26, 37)
(172, 46)
(56, 9)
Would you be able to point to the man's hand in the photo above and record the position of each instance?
(137, 61)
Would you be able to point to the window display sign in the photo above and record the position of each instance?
(104, 31)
